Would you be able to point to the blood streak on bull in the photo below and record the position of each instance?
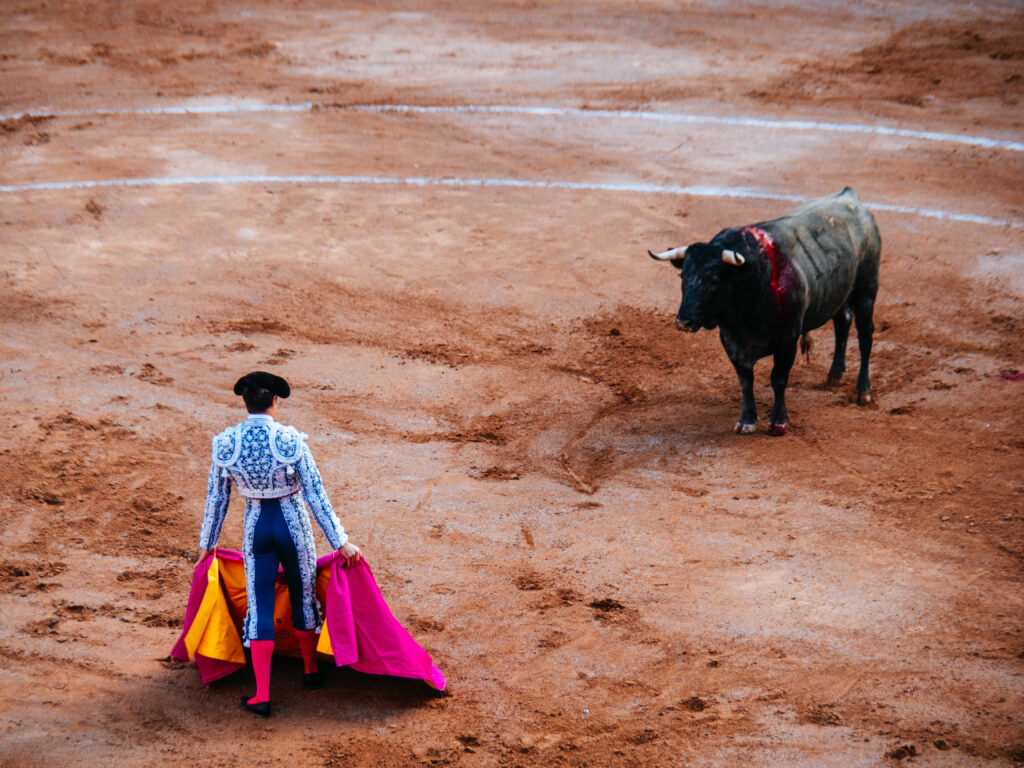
(766, 285)
(779, 280)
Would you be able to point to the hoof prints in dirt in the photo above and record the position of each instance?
(694, 704)
(492, 430)
(822, 715)
(902, 752)
(610, 612)
(440, 354)
(23, 578)
(607, 605)
(279, 357)
(248, 327)
(563, 605)
(102, 482)
(150, 374)
(384, 753)
(529, 583)
(57, 627)
(426, 625)
(153, 585)
(497, 473)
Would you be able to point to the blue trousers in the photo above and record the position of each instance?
(272, 544)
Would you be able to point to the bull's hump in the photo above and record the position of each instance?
(838, 206)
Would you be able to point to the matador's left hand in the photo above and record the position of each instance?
(351, 553)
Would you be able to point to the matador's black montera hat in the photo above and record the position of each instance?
(263, 380)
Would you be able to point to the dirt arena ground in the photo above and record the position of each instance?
(540, 468)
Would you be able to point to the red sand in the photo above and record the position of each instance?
(541, 470)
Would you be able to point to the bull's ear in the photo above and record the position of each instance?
(731, 257)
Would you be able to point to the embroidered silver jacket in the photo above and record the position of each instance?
(264, 460)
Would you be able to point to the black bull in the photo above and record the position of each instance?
(766, 285)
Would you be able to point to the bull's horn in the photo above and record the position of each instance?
(672, 253)
(731, 257)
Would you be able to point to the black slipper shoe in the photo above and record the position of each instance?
(261, 708)
(312, 680)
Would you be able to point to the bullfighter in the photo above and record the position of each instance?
(273, 468)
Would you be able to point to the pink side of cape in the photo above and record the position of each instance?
(364, 633)
(209, 669)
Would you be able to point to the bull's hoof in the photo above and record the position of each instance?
(777, 430)
(864, 398)
(744, 429)
(834, 380)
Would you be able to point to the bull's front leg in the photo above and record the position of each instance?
(863, 309)
(841, 323)
(748, 417)
(783, 360)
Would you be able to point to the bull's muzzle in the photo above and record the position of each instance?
(687, 325)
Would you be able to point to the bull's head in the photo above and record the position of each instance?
(702, 268)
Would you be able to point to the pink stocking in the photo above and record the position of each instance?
(307, 644)
(262, 650)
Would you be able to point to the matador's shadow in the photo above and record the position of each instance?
(345, 693)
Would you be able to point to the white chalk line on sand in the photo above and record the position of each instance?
(663, 117)
(744, 193)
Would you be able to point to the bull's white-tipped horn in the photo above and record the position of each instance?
(731, 257)
(672, 253)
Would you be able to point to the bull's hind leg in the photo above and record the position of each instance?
(748, 417)
(863, 310)
(784, 358)
(841, 324)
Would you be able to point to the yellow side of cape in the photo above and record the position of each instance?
(213, 633)
(216, 629)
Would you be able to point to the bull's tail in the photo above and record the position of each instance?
(806, 345)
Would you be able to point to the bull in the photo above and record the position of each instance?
(767, 285)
